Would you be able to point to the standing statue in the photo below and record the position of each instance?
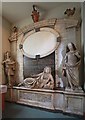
(9, 67)
(42, 80)
(71, 67)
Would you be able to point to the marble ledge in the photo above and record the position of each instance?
(49, 91)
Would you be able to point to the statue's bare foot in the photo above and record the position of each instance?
(68, 89)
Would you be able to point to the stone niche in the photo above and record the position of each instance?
(63, 31)
(36, 65)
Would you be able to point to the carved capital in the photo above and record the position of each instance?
(14, 34)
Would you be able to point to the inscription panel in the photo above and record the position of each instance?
(36, 66)
(74, 104)
(37, 97)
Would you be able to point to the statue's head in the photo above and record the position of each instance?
(14, 29)
(47, 69)
(70, 46)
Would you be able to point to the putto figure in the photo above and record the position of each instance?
(43, 80)
(35, 14)
(71, 67)
(9, 67)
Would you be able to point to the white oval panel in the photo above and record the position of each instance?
(40, 43)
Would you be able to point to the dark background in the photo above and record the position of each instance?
(33, 66)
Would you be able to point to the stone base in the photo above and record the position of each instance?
(69, 102)
(76, 90)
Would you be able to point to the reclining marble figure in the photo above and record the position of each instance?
(42, 80)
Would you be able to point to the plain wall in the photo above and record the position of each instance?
(5, 43)
(84, 39)
(0, 49)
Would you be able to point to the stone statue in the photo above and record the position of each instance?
(9, 67)
(43, 80)
(71, 67)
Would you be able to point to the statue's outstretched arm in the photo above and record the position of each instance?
(3, 62)
(20, 84)
(37, 75)
(11, 63)
(78, 54)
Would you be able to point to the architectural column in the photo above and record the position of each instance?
(13, 41)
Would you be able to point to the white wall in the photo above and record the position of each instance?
(59, 11)
(6, 26)
(83, 38)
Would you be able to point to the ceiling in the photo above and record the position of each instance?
(16, 11)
